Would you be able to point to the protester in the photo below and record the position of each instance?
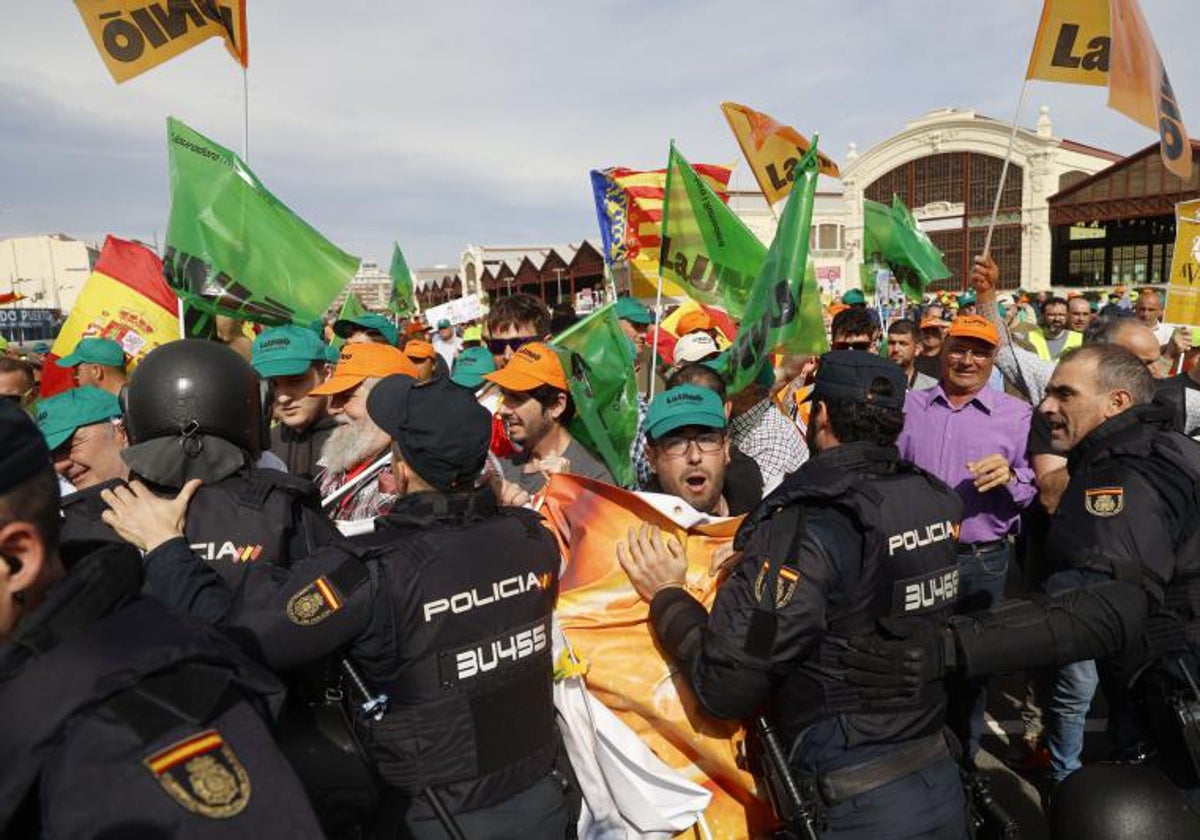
(472, 336)
(635, 319)
(446, 343)
(1079, 314)
(902, 349)
(17, 383)
(368, 328)
(933, 333)
(760, 430)
(855, 328)
(514, 321)
(232, 333)
(1149, 310)
(85, 436)
(815, 564)
(695, 347)
(536, 408)
(423, 357)
(104, 691)
(471, 366)
(974, 438)
(688, 448)
(350, 459)
(1053, 338)
(99, 362)
(292, 360)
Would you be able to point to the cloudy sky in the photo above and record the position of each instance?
(443, 124)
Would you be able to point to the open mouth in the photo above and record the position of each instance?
(695, 483)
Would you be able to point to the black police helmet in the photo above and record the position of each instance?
(1120, 802)
(194, 387)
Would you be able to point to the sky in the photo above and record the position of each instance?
(442, 124)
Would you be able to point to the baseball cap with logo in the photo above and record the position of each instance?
(97, 351)
(849, 375)
(59, 416)
(633, 310)
(286, 351)
(695, 347)
(346, 327)
(974, 326)
(418, 349)
(530, 367)
(359, 362)
(471, 365)
(685, 405)
(692, 321)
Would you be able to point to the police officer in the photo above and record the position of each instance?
(119, 720)
(1125, 540)
(446, 611)
(854, 535)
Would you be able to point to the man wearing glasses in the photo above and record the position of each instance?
(974, 438)
(514, 321)
(688, 448)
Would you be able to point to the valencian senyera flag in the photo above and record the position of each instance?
(598, 361)
(629, 206)
(134, 36)
(607, 625)
(124, 299)
(771, 149)
(784, 308)
(234, 249)
(401, 300)
(892, 233)
(706, 249)
(1093, 42)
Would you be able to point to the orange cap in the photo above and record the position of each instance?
(418, 349)
(931, 322)
(530, 367)
(693, 321)
(974, 326)
(834, 309)
(358, 362)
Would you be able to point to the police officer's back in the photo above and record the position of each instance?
(853, 536)
(119, 719)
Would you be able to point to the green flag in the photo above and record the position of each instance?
(351, 308)
(706, 248)
(598, 361)
(401, 302)
(892, 233)
(235, 249)
(784, 309)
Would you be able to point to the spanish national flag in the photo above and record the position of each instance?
(1091, 43)
(125, 299)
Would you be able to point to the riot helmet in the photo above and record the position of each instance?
(1120, 802)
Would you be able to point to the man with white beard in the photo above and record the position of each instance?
(357, 442)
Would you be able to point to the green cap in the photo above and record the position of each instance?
(444, 324)
(854, 297)
(685, 405)
(471, 365)
(371, 321)
(633, 311)
(967, 298)
(59, 416)
(97, 351)
(286, 351)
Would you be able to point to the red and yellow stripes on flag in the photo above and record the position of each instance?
(607, 624)
(134, 36)
(185, 750)
(1109, 44)
(645, 190)
(125, 299)
(771, 149)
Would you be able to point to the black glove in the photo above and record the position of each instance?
(899, 660)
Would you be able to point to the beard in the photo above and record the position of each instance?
(352, 443)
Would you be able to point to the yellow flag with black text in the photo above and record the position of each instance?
(1183, 292)
(771, 149)
(134, 36)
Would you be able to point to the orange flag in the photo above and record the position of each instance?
(607, 625)
(771, 149)
(1085, 42)
(125, 299)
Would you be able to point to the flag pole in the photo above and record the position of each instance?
(245, 114)
(1012, 137)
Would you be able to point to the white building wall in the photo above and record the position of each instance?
(49, 270)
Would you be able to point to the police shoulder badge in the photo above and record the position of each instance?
(315, 602)
(203, 774)
(785, 583)
(1104, 501)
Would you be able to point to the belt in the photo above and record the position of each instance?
(848, 782)
(980, 547)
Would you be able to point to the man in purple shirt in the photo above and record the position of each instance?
(973, 438)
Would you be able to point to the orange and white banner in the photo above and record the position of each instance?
(1183, 291)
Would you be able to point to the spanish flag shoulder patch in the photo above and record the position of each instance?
(203, 775)
(314, 603)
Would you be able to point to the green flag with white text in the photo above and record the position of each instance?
(892, 233)
(233, 248)
(401, 301)
(706, 248)
(784, 308)
(598, 361)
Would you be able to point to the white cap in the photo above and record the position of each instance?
(695, 347)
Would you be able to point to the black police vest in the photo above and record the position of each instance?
(473, 586)
(909, 523)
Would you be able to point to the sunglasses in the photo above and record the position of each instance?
(500, 346)
(852, 345)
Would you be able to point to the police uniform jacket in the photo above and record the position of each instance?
(122, 720)
(854, 535)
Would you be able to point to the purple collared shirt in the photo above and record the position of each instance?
(941, 439)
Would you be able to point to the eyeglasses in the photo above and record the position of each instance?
(965, 352)
(851, 345)
(706, 442)
(500, 346)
